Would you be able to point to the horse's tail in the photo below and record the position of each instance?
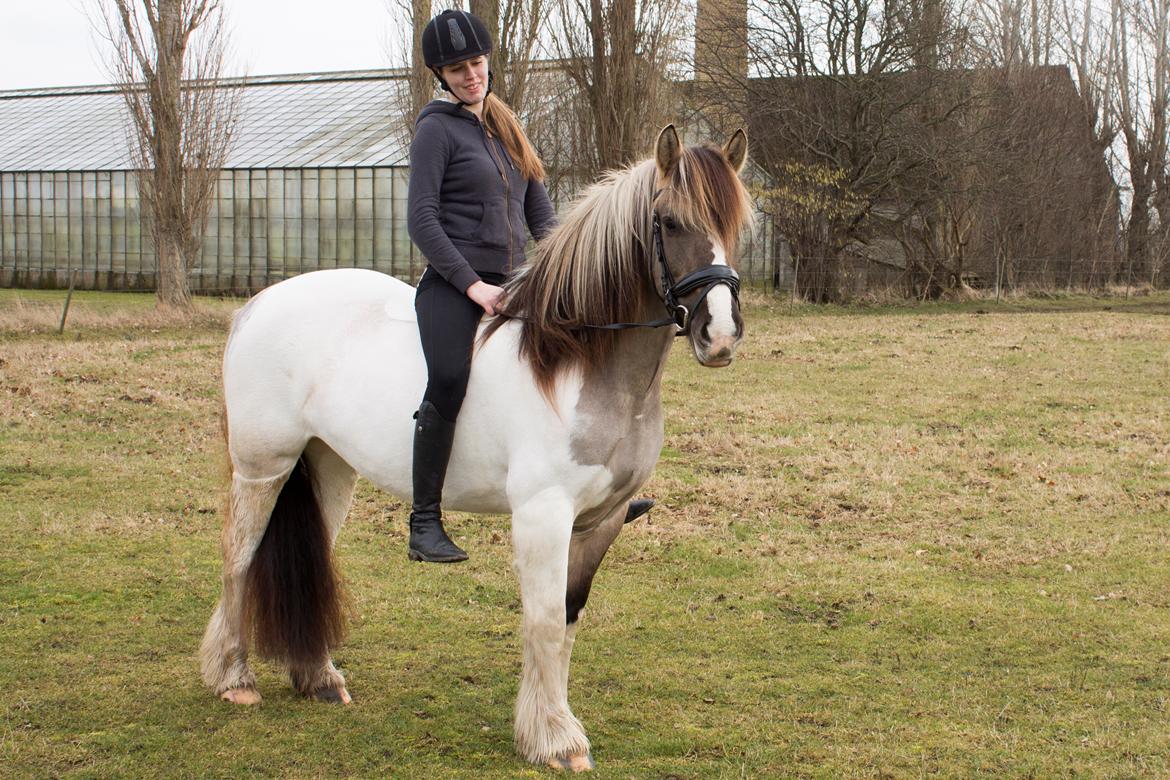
(293, 596)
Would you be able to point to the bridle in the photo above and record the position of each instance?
(707, 277)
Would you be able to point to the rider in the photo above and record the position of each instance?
(475, 184)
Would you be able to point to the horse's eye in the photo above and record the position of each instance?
(669, 223)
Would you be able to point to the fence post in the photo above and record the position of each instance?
(68, 298)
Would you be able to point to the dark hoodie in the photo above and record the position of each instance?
(468, 203)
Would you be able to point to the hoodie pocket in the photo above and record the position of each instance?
(493, 226)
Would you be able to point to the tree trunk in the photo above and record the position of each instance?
(173, 287)
(600, 96)
(421, 79)
(1137, 234)
(488, 12)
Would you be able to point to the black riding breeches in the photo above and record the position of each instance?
(447, 322)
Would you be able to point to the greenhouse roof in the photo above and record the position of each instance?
(314, 120)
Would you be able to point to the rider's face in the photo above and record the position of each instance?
(468, 79)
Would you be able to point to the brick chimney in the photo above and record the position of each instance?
(721, 61)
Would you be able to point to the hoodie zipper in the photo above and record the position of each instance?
(507, 186)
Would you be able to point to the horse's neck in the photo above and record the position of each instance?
(633, 370)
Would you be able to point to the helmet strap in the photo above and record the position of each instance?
(446, 88)
(442, 81)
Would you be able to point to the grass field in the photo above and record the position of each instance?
(897, 542)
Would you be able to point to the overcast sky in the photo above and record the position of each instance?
(48, 43)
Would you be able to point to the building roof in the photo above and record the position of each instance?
(313, 120)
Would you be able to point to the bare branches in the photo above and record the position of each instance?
(515, 27)
(169, 70)
(617, 53)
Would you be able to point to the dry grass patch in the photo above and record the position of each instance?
(889, 542)
(39, 311)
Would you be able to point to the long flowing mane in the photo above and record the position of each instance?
(592, 268)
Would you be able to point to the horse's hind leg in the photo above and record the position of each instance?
(335, 481)
(585, 554)
(224, 652)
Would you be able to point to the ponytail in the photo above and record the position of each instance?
(501, 121)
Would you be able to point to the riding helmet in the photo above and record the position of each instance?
(453, 36)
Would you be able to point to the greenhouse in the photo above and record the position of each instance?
(316, 179)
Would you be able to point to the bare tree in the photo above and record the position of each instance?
(515, 27)
(168, 57)
(1016, 33)
(858, 93)
(617, 54)
(1119, 55)
(922, 124)
(1050, 200)
(1140, 103)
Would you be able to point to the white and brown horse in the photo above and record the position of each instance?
(562, 422)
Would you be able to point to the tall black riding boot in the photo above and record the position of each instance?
(432, 449)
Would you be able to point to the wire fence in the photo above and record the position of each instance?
(87, 228)
(853, 279)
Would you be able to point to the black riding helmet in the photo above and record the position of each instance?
(454, 36)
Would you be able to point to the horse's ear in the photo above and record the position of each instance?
(667, 150)
(736, 150)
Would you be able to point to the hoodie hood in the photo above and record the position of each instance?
(445, 107)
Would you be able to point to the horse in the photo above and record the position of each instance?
(561, 425)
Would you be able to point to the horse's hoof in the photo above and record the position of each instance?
(582, 762)
(332, 695)
(241, 696)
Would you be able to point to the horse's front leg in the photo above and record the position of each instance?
(546, 730)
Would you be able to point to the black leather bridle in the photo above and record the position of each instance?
(707, 277)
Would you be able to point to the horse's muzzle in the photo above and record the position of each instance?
(715, 351)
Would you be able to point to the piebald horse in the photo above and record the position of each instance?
(561, 425)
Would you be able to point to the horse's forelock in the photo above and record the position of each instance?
(705, 193)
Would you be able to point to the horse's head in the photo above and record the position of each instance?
(700, 208)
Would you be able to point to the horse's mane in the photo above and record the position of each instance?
(591, 269)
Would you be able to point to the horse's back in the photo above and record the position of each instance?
(322, 294)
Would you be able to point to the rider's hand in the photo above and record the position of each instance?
(486, 295)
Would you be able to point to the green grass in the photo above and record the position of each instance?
(890, 542)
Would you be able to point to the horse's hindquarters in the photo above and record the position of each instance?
(332, 355)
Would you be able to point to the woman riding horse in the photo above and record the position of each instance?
(475, 183)
(562, 424)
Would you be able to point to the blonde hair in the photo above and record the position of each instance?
(501, 122)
